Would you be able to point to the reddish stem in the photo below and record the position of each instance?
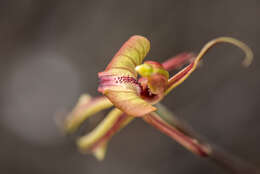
(185, 135)
(187, 141)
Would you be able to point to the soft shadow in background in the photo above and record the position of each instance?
(51, 51)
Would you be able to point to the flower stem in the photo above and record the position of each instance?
(185, 135)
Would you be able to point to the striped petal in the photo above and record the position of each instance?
(119, 80)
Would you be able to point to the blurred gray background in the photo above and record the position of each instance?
(52, 50)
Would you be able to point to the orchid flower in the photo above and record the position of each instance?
(135, 89)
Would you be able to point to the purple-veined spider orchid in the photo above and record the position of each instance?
(135, 97)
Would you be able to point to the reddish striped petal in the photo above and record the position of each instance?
(119, 80)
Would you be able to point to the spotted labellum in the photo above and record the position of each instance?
(135, 89)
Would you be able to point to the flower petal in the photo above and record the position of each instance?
(130, 103)
(86, 107)
(119, 80)
(96, 141)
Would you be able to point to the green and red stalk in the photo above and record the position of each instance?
(171, 125)
(190, 143)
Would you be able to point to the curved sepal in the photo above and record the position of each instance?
(187, 71)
